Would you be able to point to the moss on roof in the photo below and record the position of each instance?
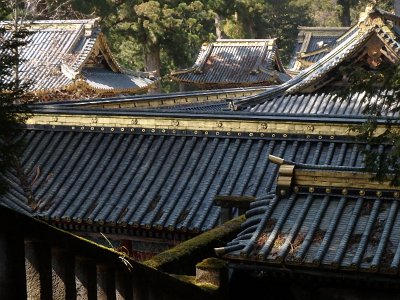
(212, 263)
(195, 244)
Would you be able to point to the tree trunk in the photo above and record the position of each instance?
(397, 7)
(153, 64)
(247, 25)
(345, 15)
(217, 22)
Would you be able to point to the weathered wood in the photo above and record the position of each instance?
(37, 271)
(12, 272)
(123, 287)
(84, 279)
(105, 283)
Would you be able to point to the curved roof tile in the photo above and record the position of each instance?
(56, 51)
(235, 63)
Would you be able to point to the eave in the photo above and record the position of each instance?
(229, 124)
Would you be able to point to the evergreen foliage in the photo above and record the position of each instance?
(379, 89)
(166, 35)
(13, 109)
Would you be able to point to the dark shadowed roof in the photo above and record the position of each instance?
(235, 63)
(332, 218)
(154, 179)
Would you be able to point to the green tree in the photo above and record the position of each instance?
(154, 36)
(379, 90)
(161, 36)
(222, 10)
(281, 20)
(13, 99)
(265, 19)
(164, 35)
(349, 10)
(323, 13)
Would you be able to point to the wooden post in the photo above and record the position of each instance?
(37, 271)
(225, 215)
(12, 267)
(227, 203)
(84, 279)
(59, 274)
(105, 284)
(123, 287)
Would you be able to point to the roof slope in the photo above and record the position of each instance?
(332, 218)
(364, 42)
(325, 102)
(62, 53)
(313, 43)
(235, 63)
(148, 179)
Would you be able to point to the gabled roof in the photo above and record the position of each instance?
(235, 63)
(312, 44)
(373, 40)
(61, 54)
(322, 217)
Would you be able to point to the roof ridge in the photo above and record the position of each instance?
(298, 80)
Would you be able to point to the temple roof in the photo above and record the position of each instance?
(312, 44)
(325, 102)
(61, 54)
(156, 101)
(159, 171)
(373, 41)
(235, 63)
(325, 217)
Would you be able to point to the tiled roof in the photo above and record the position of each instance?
(323, 102)
(180, 100)
(209, 107)
(57, 51)
(329, 101)
(315, 71)
(313, 43)
(148, 180)
(342, 225)
(235, 63)
(315, 76)
(101, 79)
